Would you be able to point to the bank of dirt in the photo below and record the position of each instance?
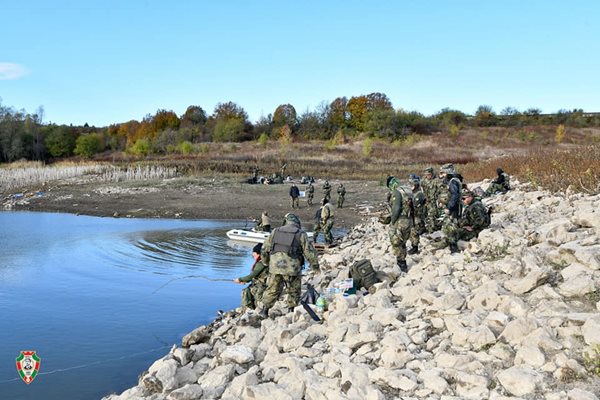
(216, 197)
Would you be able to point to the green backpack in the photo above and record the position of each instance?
(363, 274)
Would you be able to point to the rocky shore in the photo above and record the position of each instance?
(511, 316)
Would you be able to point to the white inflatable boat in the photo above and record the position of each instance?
(249, 235)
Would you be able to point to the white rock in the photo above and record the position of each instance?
(392, 378)
(526, 284)
(267, 390)
(579, 394)
(433, 381)
(237, 354)
(187, 392)
(518, 329)
(577, 286)
(239, 383)
(530, 355)
(182, 355)
(214, 381)
(519, 381)
(591, 330)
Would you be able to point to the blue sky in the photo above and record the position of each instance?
(111, 61)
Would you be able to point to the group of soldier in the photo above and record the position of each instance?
(436, 203)
(430, 204)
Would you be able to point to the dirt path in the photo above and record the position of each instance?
(193, 198)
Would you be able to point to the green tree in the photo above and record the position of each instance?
(60, 141)
(485, 116)
(194, 116)
(228, 130)
(285, 114)
(88, 145)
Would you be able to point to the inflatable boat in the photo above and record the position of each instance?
(250, 235)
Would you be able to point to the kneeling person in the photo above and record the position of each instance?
(257, 278)
(474, 219)
(284, 253)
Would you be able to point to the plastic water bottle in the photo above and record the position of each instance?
(321, 304)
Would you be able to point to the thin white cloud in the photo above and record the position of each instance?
(10, 71)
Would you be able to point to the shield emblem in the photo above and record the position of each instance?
(28, 366)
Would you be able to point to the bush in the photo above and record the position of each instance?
(88, 145)
(263, 139)
(454, 131)
(367, 147)
(186, 147)
(560, 134)
(140, 148)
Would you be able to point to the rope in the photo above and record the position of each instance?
(194, 276)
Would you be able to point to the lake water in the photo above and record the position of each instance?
(82, 292)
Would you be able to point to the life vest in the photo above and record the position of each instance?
(287, 240)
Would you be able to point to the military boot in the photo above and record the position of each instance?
(402, 265)
(264, 312)
(413, 250)
(290, 309)
(453, 248)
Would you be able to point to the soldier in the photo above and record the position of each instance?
(450, 195)
(500, 184)
(341, 191)
(431, 187)
(257, 278)
(401, 221)
(474, 219)
(265, 223)
(327, 190)
(295, 194)
(310, 193)
(419, 214)
(325, 220)
(284, 253)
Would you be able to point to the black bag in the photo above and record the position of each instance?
(363, 274)
(310, 296)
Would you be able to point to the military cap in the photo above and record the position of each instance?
(467, 193)
(414, 179)
(292, 218)
(428, 170)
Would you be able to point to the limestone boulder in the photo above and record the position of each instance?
(519, 381)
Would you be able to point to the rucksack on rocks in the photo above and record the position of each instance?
(363, 274)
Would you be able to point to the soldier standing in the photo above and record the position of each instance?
(474, 219)
(419, 214)
(401, 222)
(324, 222)
(430, 186)
(341, 191)
(295, 194)
(327, 190)
(310, 193)
(284, 252)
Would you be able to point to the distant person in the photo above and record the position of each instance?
(265, 223)
(295, 194)
(419, 214)
(341, 191)
(325, 220)
(284, 253)
(310, 193)
(327, 190)
(499, 185)
(257, 278)
(431, 187)
(401, 221)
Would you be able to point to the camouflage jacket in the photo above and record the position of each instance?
(431, 188)
(341, 190)
(474, 215)
(299, 248)
(401, 203)
(326, 214)
(419, 204)
(258, 276)
(310, 189)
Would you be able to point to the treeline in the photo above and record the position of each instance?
(24, 135)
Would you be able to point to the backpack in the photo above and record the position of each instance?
(488, 220)
(363, 274)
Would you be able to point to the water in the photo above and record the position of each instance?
(82, 292)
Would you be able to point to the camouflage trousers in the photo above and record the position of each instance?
(326, 228)
(256, 295)
(275, 285)
(295, 202)
(454, 232)
(399, 234)
(416, 231)
(309, 199)
(432, 222)
(494, 188)
(340, 201)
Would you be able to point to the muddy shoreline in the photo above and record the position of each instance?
(192, 198)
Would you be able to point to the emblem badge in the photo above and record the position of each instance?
(28, 366)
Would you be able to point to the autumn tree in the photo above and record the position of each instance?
(194, 116)
(285, 114)
(337, 114)
(229, 122)
(360, 108)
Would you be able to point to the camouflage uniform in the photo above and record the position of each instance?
(310, 193)
(431, 187)
(500, 184)
(258, 278)
(327, 190)
(324, 223)
(284, 252)
(474, 216)
(419, 215)
(401, 222)
(341, 191)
